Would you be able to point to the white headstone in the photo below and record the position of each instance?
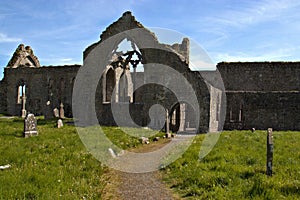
(62, 111)
(60, 123)
(56, 112)
(112, 153)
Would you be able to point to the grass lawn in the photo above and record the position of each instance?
(235, 168)
(54, 164)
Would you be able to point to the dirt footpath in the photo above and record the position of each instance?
(138, 186)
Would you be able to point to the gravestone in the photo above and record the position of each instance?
(145, 140)
(62, 111)
(60, 123)
(112, 153)
(30, 126)
(56, 112)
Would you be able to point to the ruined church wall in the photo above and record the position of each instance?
(260, 76)
(42, 84)
(262, 95)
(261, 110)
(195, 79)
(148, 95)
(3, 103)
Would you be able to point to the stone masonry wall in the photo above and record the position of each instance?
(262, 95)
(53, 83)
(260, 76)
(261, 110)
(3, 92)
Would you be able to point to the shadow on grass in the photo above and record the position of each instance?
(54, 121)
(18, 134)
(291, 189)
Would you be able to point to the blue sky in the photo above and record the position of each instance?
(229, 30)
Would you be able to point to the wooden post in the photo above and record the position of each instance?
(269, 151)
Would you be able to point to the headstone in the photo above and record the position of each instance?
(30, 126)
(269, 151)
(145, 140)
(60, 123)
(112, 153)
(5, 166)
(56, 112)
(62, 111)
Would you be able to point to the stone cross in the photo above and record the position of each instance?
(30, 126)
(269, 151)
(23, 106)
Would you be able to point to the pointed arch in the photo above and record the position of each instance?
(108, 83)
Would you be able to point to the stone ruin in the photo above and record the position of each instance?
(259, 94)
(23, 57)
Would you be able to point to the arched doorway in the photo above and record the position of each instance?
(110, 84)
(183, 118)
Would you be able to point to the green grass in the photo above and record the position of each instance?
(235, 168)
(52, 165)
(55, 164)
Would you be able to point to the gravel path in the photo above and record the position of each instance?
(142, 186)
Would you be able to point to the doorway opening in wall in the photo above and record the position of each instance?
(183, 118)
(109, 84)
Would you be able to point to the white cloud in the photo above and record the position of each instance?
(65, 60)
(255, 12)
(200, 65)
(5, 38)
(275, 55)
(58, 61)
